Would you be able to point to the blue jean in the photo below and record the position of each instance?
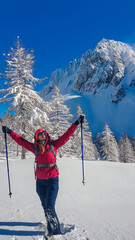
(47, 191)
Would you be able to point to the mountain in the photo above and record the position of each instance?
(104, 81)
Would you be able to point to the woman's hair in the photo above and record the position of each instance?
(40, 147)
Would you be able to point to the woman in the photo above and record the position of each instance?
(47, 183)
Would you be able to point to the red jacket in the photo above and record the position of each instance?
(46, 157)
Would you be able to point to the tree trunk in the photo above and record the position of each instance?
(17, 151)
(23, 153)
(23, 136)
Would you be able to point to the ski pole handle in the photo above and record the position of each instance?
(81, 119)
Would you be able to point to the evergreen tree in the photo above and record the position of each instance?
(109, 149)
(98, 143)
(133, 144)
(28, 110)
(89, 149)
(126, 149)
(1, 137)
(59, 118)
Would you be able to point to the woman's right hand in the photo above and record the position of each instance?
(5, 129)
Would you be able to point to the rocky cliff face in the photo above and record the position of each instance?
(110, 67)
(104, 80)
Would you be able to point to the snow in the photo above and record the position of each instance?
(67, 97)
(103, 80)
(102, 209)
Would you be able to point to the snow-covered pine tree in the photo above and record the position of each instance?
(59, 118)
(133, 144)
(126, 149)
(109, 149)
(11, 144)
(97, 142)
(29, 111)
(1, 137)
(89, 149)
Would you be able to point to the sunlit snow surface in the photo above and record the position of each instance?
(102, 209)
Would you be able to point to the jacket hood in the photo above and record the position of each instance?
(41, 144)
(38, 131)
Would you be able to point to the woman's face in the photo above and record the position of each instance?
(42, 136)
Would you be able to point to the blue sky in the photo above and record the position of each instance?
(59, 30)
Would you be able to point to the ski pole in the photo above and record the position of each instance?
(7, 166)
(82, 121)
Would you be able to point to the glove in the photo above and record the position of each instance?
(6, 129)
(80, 120)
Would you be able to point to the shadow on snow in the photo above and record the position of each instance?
(64, 228)
(19, 232)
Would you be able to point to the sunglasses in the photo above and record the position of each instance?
(40, 134)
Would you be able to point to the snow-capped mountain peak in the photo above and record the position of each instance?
(110, 64)
(105, 75)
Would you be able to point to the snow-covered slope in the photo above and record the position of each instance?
(104, 79)
(103, 209)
